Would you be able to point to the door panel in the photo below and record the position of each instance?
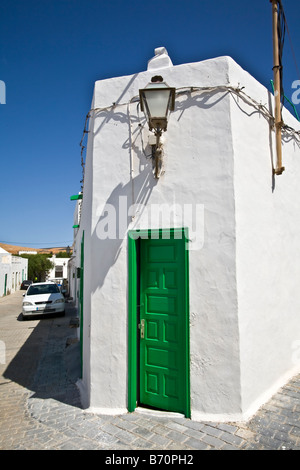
(163, 310)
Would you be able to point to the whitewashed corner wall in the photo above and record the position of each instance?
(217, 156)
(268, 245)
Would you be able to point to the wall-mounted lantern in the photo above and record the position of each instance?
(157, 100)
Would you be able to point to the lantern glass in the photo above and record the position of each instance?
(157, 99)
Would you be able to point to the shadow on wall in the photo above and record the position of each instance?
(115, 218)
(111, 113)
(117, 213)
(203, 100)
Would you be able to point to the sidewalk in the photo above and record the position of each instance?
(40, 405)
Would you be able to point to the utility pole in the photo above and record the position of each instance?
(277, 87)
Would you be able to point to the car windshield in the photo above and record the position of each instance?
(43, 289)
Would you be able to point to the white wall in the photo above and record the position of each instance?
(5, 269)
(63, 263)
(198, 168)
(268, 245)
(16, 269)
(89, 261)
(74, 260)
(217, 158)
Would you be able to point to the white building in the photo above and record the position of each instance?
(217, 298)
(59, 272)
(13, 271)
(74, 262)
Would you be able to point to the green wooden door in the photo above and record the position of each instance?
(5, 283)
(81, 299)
(164, 377)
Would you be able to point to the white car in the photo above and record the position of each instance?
(43, 298)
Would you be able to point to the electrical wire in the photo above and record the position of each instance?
(238, 91)
(82, 147)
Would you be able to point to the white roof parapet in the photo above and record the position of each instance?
(161, 59)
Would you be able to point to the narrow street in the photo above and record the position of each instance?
(34, 368)
(40, 407)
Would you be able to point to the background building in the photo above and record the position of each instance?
(13, 271)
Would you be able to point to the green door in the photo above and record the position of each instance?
(5, 283)
(164, 349)
(81, 298)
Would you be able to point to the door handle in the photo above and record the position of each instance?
(142, 328)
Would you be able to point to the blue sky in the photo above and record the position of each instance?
(52, 52)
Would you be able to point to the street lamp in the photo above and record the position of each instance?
(157, 99)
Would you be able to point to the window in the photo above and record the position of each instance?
(43, 289)
(58, 271)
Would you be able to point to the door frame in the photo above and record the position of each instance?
(81, 287)
(133, 291)
(5, 283)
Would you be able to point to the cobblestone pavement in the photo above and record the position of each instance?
(40, 406)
